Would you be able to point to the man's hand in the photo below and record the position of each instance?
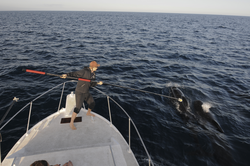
(100, 83)
(63, 76)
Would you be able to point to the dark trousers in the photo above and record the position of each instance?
(80, 98)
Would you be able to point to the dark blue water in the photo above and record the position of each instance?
(206, 56)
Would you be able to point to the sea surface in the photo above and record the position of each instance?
(206, 56)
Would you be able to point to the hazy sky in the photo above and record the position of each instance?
(221, 7)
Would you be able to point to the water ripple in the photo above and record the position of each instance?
(207, 57)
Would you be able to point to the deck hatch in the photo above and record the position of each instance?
(67, 120)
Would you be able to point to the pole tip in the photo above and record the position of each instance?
(16, 99)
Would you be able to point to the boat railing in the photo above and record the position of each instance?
(130, 121)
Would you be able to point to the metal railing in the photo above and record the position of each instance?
(110, 116)
(130, 121)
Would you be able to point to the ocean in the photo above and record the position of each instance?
(206, 56)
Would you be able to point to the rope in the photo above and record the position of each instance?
(179, 99)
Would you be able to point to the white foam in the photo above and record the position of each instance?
(206, 107)
(172, 84)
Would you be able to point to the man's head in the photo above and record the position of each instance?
(93, 65)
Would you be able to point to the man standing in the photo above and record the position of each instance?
(82, 89)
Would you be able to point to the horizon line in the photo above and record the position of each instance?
(120, 12)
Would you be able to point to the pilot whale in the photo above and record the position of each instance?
(206, 116)
(184, 106)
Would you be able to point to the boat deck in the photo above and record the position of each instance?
(95, 142)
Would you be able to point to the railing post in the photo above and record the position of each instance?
(109, 111)
(129, 135)
(61, 97)
(130, 121)
(29, 119)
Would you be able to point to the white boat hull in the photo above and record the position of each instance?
(95, 142)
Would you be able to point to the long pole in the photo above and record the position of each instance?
(179, 99)
(88, 80)
(56, 75)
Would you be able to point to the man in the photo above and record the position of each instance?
(82, 89)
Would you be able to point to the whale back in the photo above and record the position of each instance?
(206, 115)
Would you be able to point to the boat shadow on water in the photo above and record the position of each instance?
(210, 142)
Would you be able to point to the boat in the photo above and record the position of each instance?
(96, 142)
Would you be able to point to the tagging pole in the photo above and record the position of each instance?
(179, 99)
(89, 80)
(56, 75)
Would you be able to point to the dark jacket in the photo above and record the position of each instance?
(83, 86)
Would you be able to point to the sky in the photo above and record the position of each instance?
(217, 7)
